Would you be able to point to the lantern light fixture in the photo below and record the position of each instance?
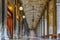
(23, 16)
(21, 8)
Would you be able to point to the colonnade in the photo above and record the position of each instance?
(49, 20)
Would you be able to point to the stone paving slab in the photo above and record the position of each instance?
(33, 39)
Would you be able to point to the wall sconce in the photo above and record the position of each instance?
(23, 16)
(21, 8)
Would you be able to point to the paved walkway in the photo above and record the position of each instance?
(36, 39)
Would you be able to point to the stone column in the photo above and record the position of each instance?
(55, 19)
(44, 24)
(3, 11)
(47, 22)
(52, 17)
(14, 19)
(17, 18)
(5, 20)
(0, 19)
(42, 27)
(19, 21)
(39, 29)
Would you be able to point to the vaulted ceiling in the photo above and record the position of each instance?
(33, 10)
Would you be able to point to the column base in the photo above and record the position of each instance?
(46, 36)
(54, 35)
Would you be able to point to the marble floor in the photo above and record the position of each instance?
(24, 38)
(32, 39)
(27, 38)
